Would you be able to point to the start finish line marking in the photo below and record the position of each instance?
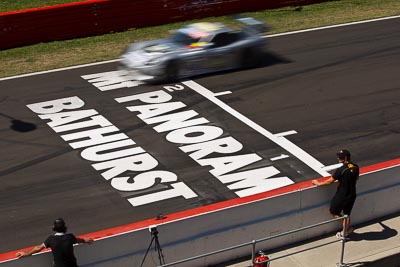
(276, 138)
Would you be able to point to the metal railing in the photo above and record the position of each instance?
(254, 242)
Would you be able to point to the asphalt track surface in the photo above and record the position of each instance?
(337, 88)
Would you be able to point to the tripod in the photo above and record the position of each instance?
(157, 247)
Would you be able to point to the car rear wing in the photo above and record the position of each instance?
(251, 25)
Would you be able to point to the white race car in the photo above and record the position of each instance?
(197, 49)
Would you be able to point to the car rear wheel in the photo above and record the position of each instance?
(249, 59)
(172, 71)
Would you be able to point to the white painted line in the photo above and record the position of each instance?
(138, 76)
(282, 156)
(223, 93)
(267, 36)
(285, 133)
(281, 141)
(332, 167)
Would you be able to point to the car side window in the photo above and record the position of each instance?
(224, 39)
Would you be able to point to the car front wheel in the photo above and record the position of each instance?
(172, 71)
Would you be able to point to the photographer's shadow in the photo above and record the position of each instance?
(384, 234)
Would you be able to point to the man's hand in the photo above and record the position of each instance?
(315, 182)
(36, 249)
(88, 240)
(21, 254)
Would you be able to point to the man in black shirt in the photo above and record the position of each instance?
(61, 245)
(345, 196)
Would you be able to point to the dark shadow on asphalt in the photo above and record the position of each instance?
(385, 233)
(20, 126)
(270, 58)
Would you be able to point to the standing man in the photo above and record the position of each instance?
(343, 201)
(61, 245)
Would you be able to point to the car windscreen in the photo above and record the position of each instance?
(183, 38)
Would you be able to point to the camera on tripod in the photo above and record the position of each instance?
(154, 237)
(153, 229)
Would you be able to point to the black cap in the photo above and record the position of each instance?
(59, 226)
(344, 153)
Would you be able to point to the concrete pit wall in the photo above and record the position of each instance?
(378, 192)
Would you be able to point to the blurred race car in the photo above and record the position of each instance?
(197, 48)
